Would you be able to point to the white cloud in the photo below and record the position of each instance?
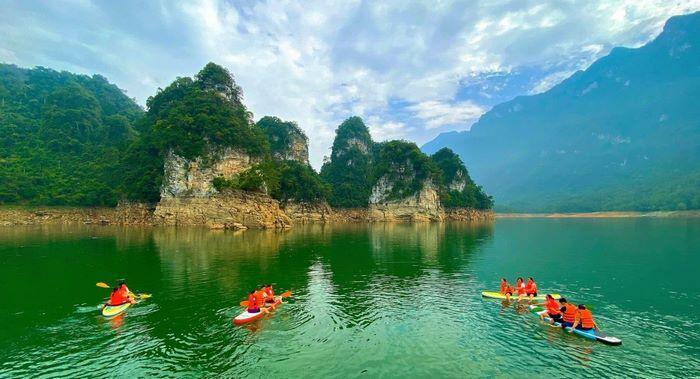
(437, 114)
(318, 62)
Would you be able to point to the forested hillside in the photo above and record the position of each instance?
(61, 136)
(622, 135)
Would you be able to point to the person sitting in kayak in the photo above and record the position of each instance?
(119, 296)
(126, 292)
(254, 301)
(569, 312)
(584, 319)
(531, 288)
(520, 288)
(269, 293)
(552, 308)
(506, 288)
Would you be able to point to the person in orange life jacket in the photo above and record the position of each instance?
(125, 291)
(552, 308)
(520, 288)
(531, 288)
(120, 296)
(253, 302)
(506, 289)
(569, 312)
(269, 293)
(584, 319)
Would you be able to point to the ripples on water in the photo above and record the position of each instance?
(381, 301)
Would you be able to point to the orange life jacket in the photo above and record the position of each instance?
(520, 288)
(569, 313)
(552, 307)
(259, 300)
(586, 318)
(269, 292)
(504, 288)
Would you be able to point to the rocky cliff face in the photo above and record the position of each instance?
(193, 178)
(297, 150)
(302, 213)
(422, 206)
(230, 210)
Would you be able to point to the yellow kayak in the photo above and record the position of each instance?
(111, 311)
(498, 295)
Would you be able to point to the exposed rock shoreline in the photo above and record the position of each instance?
(238, 211)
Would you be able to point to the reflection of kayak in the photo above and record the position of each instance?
(591, 334)
(113, 310)
(498, 295)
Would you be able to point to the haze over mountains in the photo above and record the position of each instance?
(622, 135)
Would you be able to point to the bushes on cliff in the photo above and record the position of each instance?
(300, 183)
(349, 169)
(405, 167)
(281, 134)
(454, 172)
(191, 116)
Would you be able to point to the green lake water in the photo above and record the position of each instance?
(369, 300)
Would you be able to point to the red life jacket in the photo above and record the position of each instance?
(521, 289)
(586, 318)
(530, 288)
(569, 313)
(269, 292)
(117, 298)
(252, 302)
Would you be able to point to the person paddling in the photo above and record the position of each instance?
(269, 293)
(584, 319)
(120, 295)
(569, 312)
(254, 301)
(552, 308)
(520, 288)
(506, 289)
(531, 288)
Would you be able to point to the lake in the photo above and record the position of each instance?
(380, 300)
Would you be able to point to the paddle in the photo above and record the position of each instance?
(284, 295)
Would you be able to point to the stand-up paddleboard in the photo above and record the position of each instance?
(591, 334)
(114, 310)
(498, 295)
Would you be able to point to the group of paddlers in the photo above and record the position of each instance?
(258, 298)
(561, 312)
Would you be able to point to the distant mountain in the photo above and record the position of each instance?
(622, 135)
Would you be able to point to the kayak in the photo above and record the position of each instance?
(247, 317)
(592, 334)
(114, 310)
(498, 295)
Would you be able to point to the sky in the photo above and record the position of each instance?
(410, 69)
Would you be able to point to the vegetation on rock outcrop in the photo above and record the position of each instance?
(457, 189)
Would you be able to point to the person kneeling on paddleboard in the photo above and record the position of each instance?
(531, 288)
(584, 319)
(506, 289)
(553, 311)
(520, 288)
(269, 293)
(569, 312)
(254, 301)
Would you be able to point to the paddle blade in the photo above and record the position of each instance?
(287, 294)
(244, 303)
(143, 296)
(102, 285)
